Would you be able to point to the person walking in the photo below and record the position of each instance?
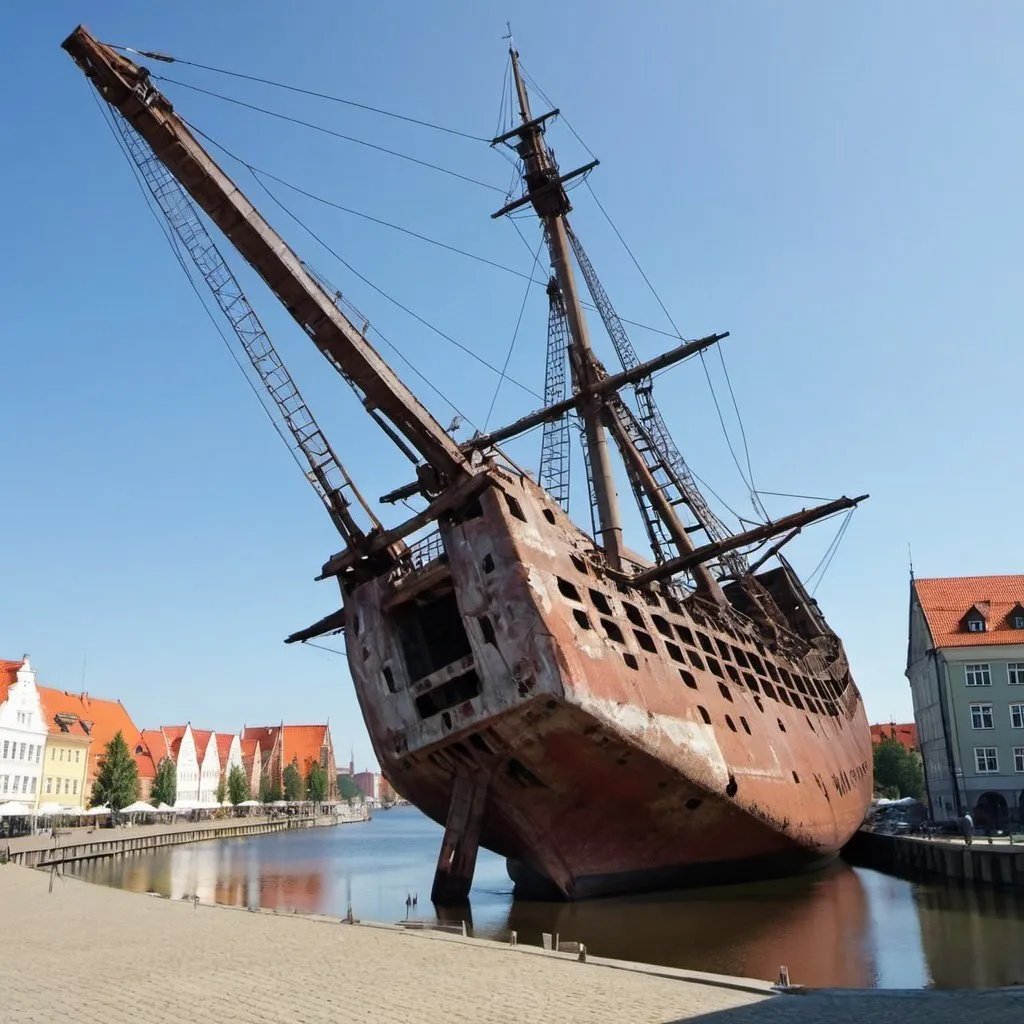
(967, 827)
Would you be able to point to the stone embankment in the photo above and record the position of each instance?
(127, 957)
(999, 863)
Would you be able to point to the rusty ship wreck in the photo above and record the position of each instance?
(607, 722)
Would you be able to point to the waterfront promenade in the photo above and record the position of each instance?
(126, 957)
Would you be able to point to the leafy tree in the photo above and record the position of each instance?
(316, 783)
(348, 790)
(898, 771)
(238, 785)
(269, 791)
(293, 785)
(117, 784)
(221, 792)
(165, 785)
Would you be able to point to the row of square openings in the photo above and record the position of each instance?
(818, 696)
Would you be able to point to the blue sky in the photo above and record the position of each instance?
(837, 185)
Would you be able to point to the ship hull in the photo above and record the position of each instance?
(624, 740)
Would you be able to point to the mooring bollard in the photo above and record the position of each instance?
(513, 938)
(783, 979)
(545, 938)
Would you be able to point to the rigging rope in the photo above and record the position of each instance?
(304, 92)
(380, 291)
(328, 131)
(703, 361)
(830, 552)
(515, 334)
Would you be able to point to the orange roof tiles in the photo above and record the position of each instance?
(55, 703)
(303, 743)
(202, 741)
(145, 757)
(945, 602)
(224, 740)
(905, 734)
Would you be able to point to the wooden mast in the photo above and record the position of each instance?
(546, 192)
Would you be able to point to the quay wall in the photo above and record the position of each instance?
(998, 864)
(96, 844)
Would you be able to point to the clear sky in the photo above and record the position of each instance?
(837, 184)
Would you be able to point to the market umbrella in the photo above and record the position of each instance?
(95, 812)
(139, 807)
(51, 808)
(13, 809)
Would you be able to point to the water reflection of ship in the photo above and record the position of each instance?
(972, 937)
(817, 925)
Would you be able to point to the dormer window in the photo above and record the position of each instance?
(975, 619)
(1018, 622)
(976, 625)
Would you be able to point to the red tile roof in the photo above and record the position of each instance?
(946, 601)
(302, 743)
(105, 718)
(56, 702)
(905, 734)
(202, 741)
(145, 756)
(156, 743)
(224, 740)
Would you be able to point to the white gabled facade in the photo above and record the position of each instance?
(209, 766)
(183, 750)
(23, 734)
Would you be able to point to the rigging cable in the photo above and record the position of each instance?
(369, 283)
(515, 335)
(707, 374)
(830, 552)
(327, 131)
(172, 242)
(304, 92)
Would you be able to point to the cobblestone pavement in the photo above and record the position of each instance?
(87, 954)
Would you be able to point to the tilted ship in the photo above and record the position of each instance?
(607, 722)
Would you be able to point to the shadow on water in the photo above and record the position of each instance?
(840, 927)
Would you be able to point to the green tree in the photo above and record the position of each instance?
(221, 792)
(238, 785)
(165, 785)
(348, 790)
(316, 783)
(269, 791)
(294, 788)
(117, 784)
(898, 771)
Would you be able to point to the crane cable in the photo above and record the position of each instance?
(165, 58)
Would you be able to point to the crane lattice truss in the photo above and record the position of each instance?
(325, 471)
(555, 446)
(659, 450)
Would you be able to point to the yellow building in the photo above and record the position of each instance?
(65, 765)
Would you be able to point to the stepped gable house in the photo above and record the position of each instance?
(965, 663)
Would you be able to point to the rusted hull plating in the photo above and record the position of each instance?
(627, 739)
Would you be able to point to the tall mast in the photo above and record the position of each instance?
(545, 190)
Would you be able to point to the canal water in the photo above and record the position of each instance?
(843, 927)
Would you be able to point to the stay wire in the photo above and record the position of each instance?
(165, 229)
(515, 335)
(835, 548)
(328, 131)
(314, 93)
(380, 291)
(540, 92)
(678, 334)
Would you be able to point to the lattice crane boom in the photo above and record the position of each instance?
(325, 472)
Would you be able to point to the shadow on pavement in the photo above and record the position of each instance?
(875, 1007)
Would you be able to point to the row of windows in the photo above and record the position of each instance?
(73, 783)
(986, 760)
(53, 755)
(18, 751)
(978, 625)
(982, 716)
(22, 780)
(981, 675)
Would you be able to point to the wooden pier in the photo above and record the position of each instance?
(84, 844)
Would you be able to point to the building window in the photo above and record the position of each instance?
(61, 758)
(1018, 622)
(4, 779)
(24, 783)
(6, 744)
(1017, 716)
(33, 785)
(1018, 759)
(21, 752)
(39, 753)
(78, 755)
(981, 716)
(53, 753)
(976, 625)
(1015, 673)
(49, 784)
(978, 675)
(986, 760)
(74, 787)
(31, 750)
(67, 786)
